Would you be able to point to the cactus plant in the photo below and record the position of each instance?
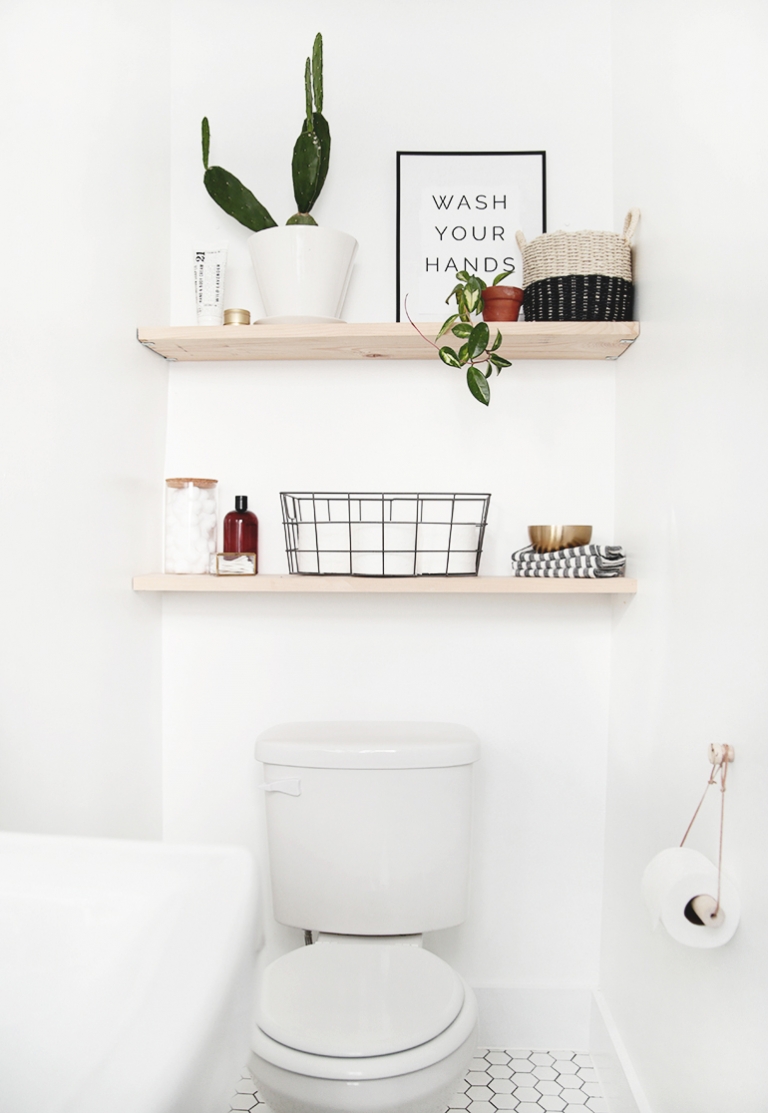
(309, 166)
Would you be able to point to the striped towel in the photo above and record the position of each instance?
(582, 562)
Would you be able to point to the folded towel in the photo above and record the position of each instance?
(583, 562)
(605, 552)
(532, 572)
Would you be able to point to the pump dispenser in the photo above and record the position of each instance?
(241, 529)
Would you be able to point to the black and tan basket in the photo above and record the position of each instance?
(579, 276)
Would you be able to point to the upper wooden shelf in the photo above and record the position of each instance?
(388, 585)
(522, 340)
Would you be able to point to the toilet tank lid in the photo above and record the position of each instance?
(368, 745)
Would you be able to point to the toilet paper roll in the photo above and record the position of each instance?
(677, 876)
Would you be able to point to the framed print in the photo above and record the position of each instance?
(460, 211)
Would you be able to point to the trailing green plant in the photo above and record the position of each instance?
(309, 166)
(477, 353)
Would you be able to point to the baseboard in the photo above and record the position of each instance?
(621, 1086)
(534, 1019)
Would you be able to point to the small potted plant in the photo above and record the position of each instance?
(477, 354)
(302, 270)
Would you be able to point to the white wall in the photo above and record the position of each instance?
(690, 654)
(86, 118)
(530, 675)
(82, 420)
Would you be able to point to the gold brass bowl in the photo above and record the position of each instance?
(548, 539)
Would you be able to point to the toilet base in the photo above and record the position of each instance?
(427, 1090)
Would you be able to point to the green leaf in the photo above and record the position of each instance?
(473, 300)
(302, 218)
(446, 326)
(305, 168)
(454, 291)
(497, 342)
(500, 277)
(463, 275)
(463, 354)
(478, 340)
(447, 355)
(317, 71)
(233, 197)
(499, 361)
(478, 385)
(308, 93)
(323, 136)
(462, 330)
(206, 141)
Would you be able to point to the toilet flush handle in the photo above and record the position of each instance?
(289, 785)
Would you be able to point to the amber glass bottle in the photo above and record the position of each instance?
(241, 529)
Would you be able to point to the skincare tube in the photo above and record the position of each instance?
(210, 266)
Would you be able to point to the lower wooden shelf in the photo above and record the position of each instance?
(390, 585)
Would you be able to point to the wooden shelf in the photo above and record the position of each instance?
(522, 340)
(390, 585)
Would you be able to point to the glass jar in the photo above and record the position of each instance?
(190, 525)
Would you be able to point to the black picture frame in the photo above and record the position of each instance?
(534, 203)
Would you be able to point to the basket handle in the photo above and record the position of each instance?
(630, 224)
(521, 240)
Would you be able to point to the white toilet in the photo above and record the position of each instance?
(368, 826)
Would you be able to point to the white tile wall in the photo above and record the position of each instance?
(523, 1081)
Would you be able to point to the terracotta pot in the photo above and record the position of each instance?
(502, 303)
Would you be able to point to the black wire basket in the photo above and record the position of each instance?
(371, 534)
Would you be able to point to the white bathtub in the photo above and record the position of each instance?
(125, 975)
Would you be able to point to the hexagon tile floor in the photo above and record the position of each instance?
(523, 1081)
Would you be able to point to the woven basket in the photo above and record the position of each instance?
(579, 276)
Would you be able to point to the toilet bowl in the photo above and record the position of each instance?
(364, 1025)
(368, 833)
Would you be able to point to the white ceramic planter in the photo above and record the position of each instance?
(302, 271)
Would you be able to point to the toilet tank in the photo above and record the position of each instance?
(369, 824)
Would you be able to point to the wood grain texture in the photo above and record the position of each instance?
(522, 340)
(390, 585)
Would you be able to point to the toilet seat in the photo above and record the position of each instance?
(358, 1001)
(381, 1066)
